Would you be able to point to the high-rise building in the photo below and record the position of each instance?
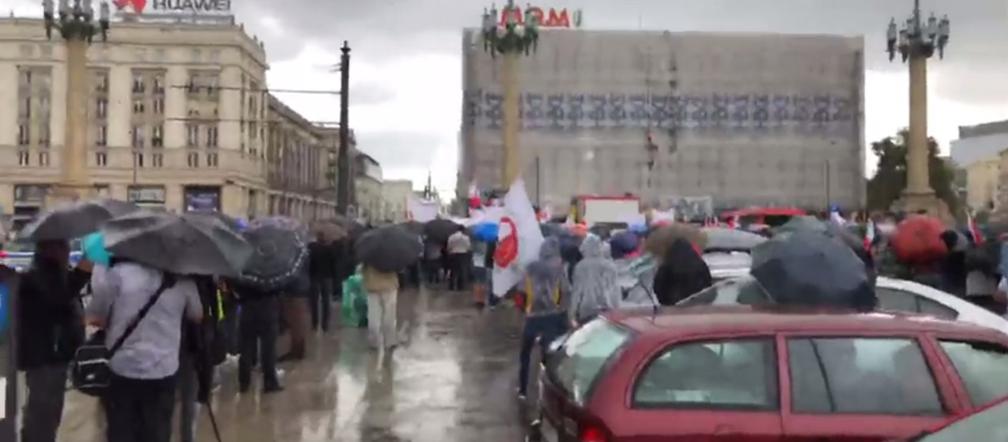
(179, 117)
(745, 119)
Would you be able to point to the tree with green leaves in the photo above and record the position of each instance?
(890, 178)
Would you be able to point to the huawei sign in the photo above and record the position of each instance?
(170, 7)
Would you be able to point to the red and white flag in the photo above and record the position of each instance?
(973, 229)
(474, 198)
(869, 236)
(518, 240)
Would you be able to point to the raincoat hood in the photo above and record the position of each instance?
(545, 279)
(592, 247)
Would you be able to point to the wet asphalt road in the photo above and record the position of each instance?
(454, 380)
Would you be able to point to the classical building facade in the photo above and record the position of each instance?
(368, 188)
(179, 117)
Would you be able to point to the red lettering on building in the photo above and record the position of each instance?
(561, 20)
(554, 19)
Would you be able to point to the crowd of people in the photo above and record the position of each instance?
(191, 326)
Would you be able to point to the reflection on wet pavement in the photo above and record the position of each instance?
(452, 380)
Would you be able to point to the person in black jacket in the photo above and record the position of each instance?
(203, 348)
(258, 322)
(322, 270)
(682, 273)
(51, 321)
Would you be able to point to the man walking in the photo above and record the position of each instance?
(459, 247)
(322, 270)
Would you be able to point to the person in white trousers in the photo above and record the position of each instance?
(382, 290)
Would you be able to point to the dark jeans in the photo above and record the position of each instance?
(546, 328)
(258, 324)
(460, 263)
(44, 406)
(432, 270)
(140, 410)
(321, 302)
(231, 332)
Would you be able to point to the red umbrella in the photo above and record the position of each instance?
(918, 240)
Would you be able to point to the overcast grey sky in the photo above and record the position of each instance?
(406, 67)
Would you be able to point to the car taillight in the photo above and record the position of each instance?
(592, 433)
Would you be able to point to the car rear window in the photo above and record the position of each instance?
(861, 375)
(982, 366)
(580, 360)
(738, 374)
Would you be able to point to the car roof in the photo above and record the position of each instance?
(711, 319)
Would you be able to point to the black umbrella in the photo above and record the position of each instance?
(389, 248)
(229, 221)
(440, 229)
(280, 252)
(187, 244)
(810, 268)
(76, 219)
(412, 226)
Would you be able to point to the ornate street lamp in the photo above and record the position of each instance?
(917, 41)
(76, 22)
(510, 39)
(77, 26)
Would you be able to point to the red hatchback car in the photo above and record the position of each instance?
(741, 373)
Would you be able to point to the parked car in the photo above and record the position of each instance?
(18, 254)
(893, 294)
(758, 373)
(988, 424)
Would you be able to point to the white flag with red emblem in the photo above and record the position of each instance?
(518, 240)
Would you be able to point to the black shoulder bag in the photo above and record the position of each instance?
(89, 370)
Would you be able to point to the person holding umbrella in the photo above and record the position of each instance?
(142, 302)
(383, 252)
(51, 328)
(322, 269)
(50, 316)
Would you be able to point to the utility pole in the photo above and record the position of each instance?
(343, 196)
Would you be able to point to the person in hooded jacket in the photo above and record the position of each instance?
(547, 297)
(595, 287)
(51, 321)
(682, 273)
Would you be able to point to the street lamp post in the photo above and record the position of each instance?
(77, 27)
(916, 42)
(510, 39)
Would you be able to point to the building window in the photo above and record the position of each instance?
(138, 84)
(211, 160)
(138, 106)
(43, 159)
(157, 139)
(101, 159)
(159, 106)
(192, 159)
(138, 136)
(211, 139)
(192, 135)
(157, 160)
(24, 111)
(26, 77)
(138, 159)
(23, 158)
(44, 134)
(102, 85)
(253, 130)
(158, 85)
(102, 136)
(102, 108)
(24, 135)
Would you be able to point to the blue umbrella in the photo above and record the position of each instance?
(486, 232)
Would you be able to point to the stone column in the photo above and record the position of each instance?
(918, 180)
(512, 118)
(74, 180)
